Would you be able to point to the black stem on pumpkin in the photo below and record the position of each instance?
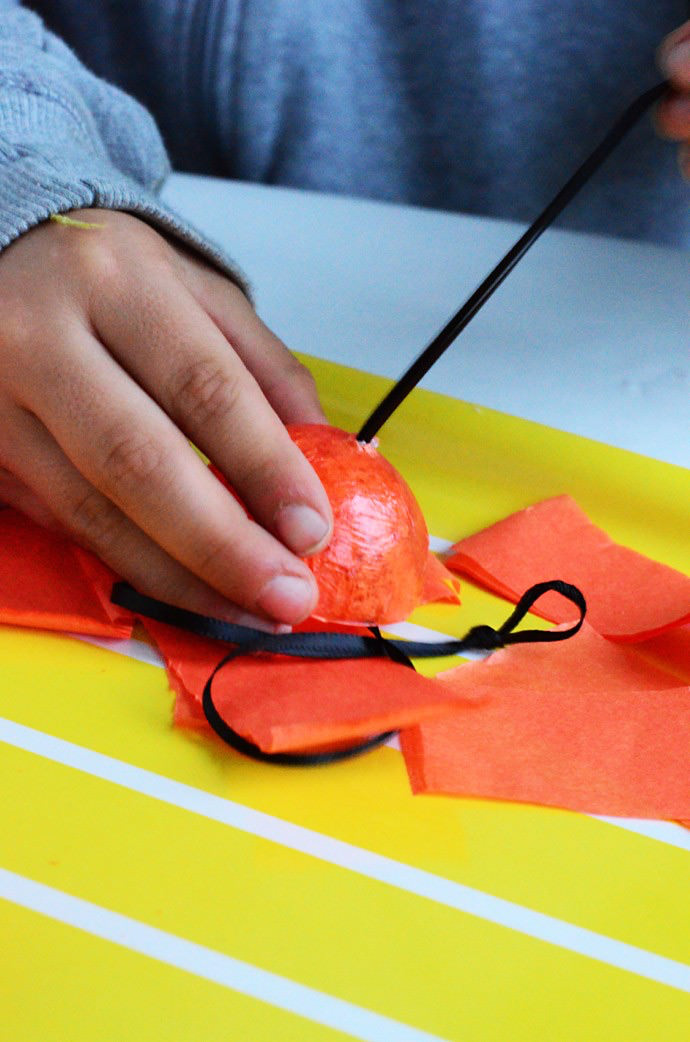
(421, 366)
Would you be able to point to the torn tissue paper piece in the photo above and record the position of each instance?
(287, 704)
(440, 585)
(585, 725)
(670, 651)
(629, 596)
(48, 582)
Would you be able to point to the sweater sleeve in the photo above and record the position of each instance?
(69, 139)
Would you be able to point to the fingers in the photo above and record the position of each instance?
(672, 116)
(674, 57)
(287, 384)
(14, 493)
(672, 120)
(119, 360)
(174, 350)
(149, 478)
(81, 511)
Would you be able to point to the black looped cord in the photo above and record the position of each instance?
(528, 599)
(243, 745)
(391, 649)
(248, 641)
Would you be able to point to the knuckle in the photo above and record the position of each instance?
(95, 521)
(97, 257)
(204, 392)
(16, 332)
(131, 458)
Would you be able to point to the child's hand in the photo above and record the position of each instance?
(673, 113)
(115, 347)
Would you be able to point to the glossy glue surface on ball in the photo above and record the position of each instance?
(372, 571)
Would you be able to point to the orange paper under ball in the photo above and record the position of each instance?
(372, 571)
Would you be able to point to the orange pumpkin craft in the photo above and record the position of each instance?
(373, 569)
(377, 567)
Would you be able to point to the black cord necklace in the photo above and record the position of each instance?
(246, 641)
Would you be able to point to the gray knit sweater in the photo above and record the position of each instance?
(68, 139)
(483, 106)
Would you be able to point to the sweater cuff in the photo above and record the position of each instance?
(32, 188)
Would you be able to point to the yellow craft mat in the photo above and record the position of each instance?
(157, 886)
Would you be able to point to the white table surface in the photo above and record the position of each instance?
(589, 334)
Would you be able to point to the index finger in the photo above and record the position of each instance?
(190, 369)
(286, 383)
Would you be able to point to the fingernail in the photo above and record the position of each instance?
(229, 612)
(254, 622)
(288, 598)
(677, 59)
(301, 528)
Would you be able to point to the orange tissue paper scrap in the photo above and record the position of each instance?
(586, 725)
(287, 704)
(629, 596)
(48, 582)
(670, 651)
(440, 585)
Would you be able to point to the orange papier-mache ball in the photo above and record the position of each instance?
(372, 571)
